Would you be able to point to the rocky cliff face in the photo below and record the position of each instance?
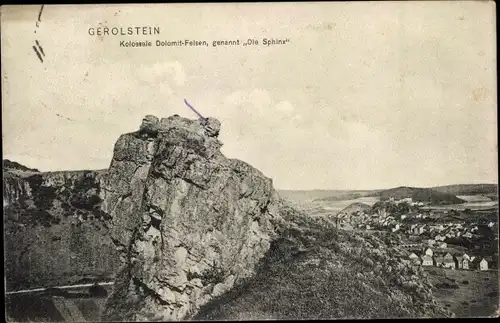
(55, 231)
(189, 221)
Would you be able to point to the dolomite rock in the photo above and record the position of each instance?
(189, 221)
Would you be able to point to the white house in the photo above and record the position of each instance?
(491, 224)
(442, 245)
(468, 235)
(440, 237)
(465, 263)
(429, 252)
(427, 260)
(448, 261)
(403, 217)
(414, 258)
(483, 264)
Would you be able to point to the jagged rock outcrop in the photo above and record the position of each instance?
(189, 221)
(55, 230)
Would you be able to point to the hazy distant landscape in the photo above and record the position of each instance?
(450, 214)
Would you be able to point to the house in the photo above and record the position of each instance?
(465, 263)
(427, 260)
(414, 258)
(467, 235)
(440, 238)
(438, 260)
(419, 230)
(466, 256)
(429, 252)
(480, 263)
(491, 224)
(448, 261)
(396, 228)
(442, 245)
(403, 216)
(483, 264)
(459, 261)
(431, 242)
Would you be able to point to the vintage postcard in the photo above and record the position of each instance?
(247, 161)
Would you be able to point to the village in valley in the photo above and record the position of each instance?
(440, 237)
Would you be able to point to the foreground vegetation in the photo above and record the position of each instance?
(464, 292)
(313, 271)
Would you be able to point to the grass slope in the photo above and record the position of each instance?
(313, 272)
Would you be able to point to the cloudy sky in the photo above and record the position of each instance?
(365, 95)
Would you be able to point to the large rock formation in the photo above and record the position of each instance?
(189, 221)
(192, 234)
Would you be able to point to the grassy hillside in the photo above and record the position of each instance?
(12, 165)
(314, 272)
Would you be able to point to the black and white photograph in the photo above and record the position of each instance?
(250, 161)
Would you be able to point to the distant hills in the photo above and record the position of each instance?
(435, 195)
(330, 195)
(467, 189)
(487, 190)
(420, 194)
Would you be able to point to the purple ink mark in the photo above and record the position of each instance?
(194, 110)
(38, 54)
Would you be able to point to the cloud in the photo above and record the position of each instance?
(163, 73)
(284, 106)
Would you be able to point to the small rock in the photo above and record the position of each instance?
(149, 125)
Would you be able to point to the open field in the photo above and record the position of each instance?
(466, 293)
